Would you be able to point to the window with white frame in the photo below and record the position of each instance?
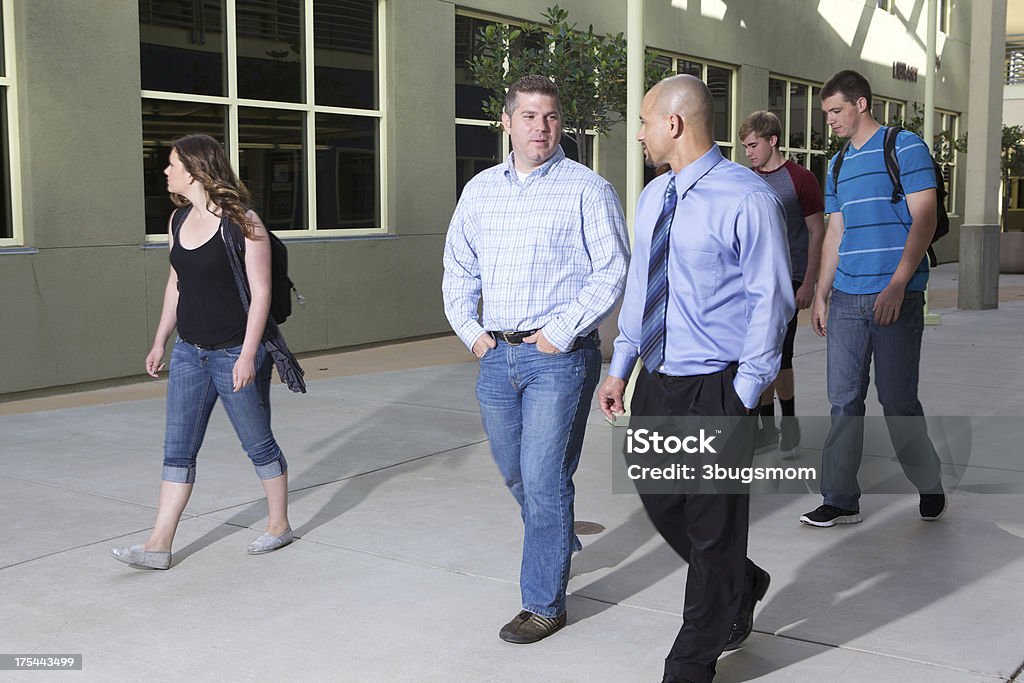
(720, 79)
(948, 122)
(291, 87)
(805, 134)
(887, 111)
(9, 186)
(478, 143)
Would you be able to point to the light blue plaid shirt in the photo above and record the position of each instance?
(548, 252)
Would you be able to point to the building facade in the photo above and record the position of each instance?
(355, 124)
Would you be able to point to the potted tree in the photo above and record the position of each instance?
(1011, 165)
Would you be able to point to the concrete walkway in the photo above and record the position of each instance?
(408, 555)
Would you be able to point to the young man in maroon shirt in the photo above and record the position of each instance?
(800, 193)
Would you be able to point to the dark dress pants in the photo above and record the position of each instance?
(709, 531)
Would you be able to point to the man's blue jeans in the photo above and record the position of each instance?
(197, 379)
(534, 407)
(853, 338)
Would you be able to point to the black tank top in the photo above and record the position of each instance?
(209, 309)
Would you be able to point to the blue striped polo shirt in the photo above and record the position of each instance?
(875, 230)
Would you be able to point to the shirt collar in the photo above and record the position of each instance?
(540, 171)
(694, 171)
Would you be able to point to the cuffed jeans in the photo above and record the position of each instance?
(853, 338)
(197, 379)
(534, 407)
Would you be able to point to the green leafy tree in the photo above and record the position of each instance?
(589, 70)
(1011, 162)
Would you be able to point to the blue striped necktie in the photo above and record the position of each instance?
(652, 335)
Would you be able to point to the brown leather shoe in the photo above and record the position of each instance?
(528, 627)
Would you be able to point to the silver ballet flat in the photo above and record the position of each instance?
(137, 556)
(268, 544)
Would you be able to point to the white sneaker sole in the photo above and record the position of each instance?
(844, 519)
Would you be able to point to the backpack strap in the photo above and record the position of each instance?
(234, 242)
(837, 164)
(892, 163)
(178, 219)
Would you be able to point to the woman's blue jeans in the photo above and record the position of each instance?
(534, 407)
(197, 379)
(854, 338)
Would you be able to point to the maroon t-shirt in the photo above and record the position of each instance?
(801, 196)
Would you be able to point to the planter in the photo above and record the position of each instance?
(1011, 252)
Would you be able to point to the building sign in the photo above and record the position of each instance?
(902, 72)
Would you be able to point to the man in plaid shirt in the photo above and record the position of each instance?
(542, 240)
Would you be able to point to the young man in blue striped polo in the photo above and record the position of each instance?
(874, 267)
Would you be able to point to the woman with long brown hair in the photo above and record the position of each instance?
(219, 352)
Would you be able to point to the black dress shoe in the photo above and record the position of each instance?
(528, 627)
(744, 622)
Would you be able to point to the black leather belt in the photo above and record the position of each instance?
(516, 338)
(512, 338)
(217, 347)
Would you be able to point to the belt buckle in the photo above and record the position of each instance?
(508, 336)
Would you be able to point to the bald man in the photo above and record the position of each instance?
(707, 301)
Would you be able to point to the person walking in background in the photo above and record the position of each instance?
(705, 310)
(800, 193)
(542, 240)
(219, 352)
(874, 267)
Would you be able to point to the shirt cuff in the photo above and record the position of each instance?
(622, 364)
(561, 339)
(748, 390)
(470, 332)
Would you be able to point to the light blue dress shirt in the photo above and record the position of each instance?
(547, 252)
(730, 294)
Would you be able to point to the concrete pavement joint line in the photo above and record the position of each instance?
(365, 401)
(77, 547)
(1016, 674)
(336, 481)
(89, 493)
(880, 654)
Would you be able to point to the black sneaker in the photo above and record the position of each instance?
(829, 515)
(932, 506)
(744, 622)
(767, 439)
(528, 627)
(789, 435)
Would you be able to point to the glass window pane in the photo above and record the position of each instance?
(162, 122)
(798, 158)
(345, 53)
(819, 165)
(684, 66)
(777, 100)
(270, 164)
(878, 110)
(6, 223)
(476, 148)
(469, 97)
(897, 111)
(347, 195)
(182, 46)
(797, 115)
(720, 82)
(270, 50)
(819, 127)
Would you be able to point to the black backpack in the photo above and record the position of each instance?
(892, 167)
(281, 286)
